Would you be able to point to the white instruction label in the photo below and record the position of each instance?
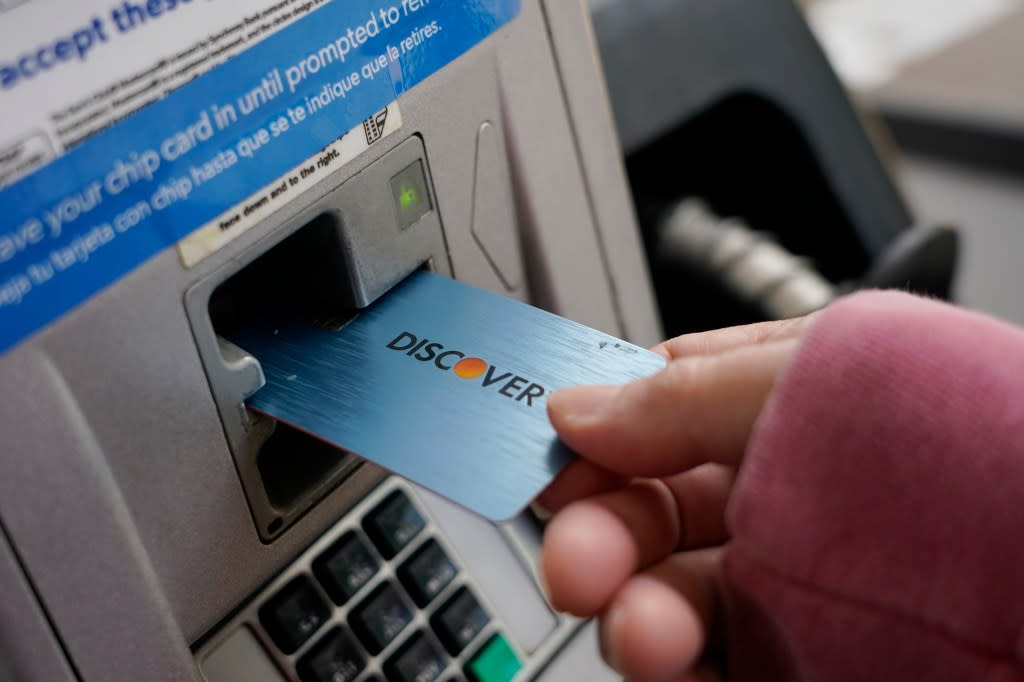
(241, 217)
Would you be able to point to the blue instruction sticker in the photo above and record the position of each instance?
(87, 218)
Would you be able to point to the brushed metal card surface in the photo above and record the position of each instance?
(443, 384)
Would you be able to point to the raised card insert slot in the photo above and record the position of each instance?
(302, 278)
(321, 265)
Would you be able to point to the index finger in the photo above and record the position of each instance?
(731, 338)
(698, 409)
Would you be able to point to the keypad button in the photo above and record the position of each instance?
(459, 620)
(380, 618)
(345, 568)
(427, 573)
(419, 660)
(495, 662)
(393, 524)
(292, 615)
(335, 658)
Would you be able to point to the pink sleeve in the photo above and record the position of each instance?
(879, 517)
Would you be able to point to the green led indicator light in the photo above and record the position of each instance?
(409, 196)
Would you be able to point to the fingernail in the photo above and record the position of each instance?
(611, 623)
(583, 403)
(542, 513)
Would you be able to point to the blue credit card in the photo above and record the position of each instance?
(441, 383)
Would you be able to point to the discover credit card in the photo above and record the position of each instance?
(443, 384)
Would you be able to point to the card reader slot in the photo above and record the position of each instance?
(303, 277)
(322, 264)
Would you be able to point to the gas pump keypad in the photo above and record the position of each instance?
(384, 600)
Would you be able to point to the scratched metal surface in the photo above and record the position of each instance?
(481, 449)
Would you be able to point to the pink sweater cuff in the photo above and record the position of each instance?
(878, 520)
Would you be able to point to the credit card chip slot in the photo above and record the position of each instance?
(320, 265)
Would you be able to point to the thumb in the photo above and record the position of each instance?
(698, 409)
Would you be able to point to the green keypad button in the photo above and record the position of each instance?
(496, 662)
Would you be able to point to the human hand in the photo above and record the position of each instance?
(639, 519)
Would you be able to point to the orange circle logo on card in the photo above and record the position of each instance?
(470, 368)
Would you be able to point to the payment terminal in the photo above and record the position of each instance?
(171, 169)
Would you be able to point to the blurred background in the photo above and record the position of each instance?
(947, 77)
(780, 154)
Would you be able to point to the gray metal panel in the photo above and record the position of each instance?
(601, 164)
(563, 260)
(29, 652)
(494, 217)
(63, 512)
(240, 657)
